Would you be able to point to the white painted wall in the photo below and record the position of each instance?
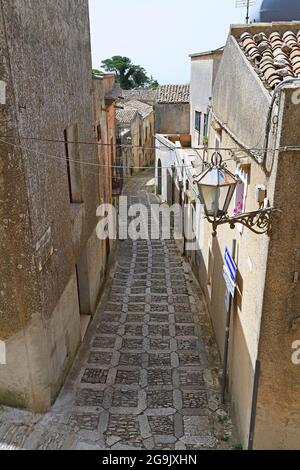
(201, 91)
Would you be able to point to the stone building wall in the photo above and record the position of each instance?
(46, 64)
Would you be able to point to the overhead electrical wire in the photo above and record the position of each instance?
(132, 167)
(141, 147)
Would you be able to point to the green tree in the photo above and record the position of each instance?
(128, 74)
(97, 72)
(153, 83)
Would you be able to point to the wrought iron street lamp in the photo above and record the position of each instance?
(216, 189)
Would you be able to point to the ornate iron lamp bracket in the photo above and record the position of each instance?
(259, 222)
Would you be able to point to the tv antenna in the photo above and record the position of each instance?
(245, 4)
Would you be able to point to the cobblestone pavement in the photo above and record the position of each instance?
(147, 375)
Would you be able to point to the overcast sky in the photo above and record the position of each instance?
(160, 34)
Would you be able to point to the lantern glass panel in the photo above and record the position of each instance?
(216, 189)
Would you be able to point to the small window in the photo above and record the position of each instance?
(98, 130)
(205, 125)
(73, 164)
(198, 117)
(218, 140)
(240, 195)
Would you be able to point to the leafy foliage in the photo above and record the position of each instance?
(97, 72)
(128, 74)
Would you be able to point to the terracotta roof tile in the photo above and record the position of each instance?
(274, 56)
(126, 115)
(173, 94)
(141, 94)
(143, 108)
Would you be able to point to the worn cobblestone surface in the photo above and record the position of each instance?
(147, 374)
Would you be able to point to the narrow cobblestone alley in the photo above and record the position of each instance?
(147, 374)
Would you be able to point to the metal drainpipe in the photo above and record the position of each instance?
(254, 405)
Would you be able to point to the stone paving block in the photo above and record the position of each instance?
(158, 277)
(138, 290)
(136, 307)
(161, 360)
(196, 426)
(186, 330)
(180, 290)
(135, 318)
(181, 308)
(104, 342)
(199, 442)
(158, 290)
(136, 299)
(51, 441)
(184, 318)
(94, 376)
(124, 427)
(113, 307)
(159, 318)
(159, 299)
(131, 359)
(132, 343)
(159, 344)
(195, 399)
(162, 425)
(15, 436)
(80, 421)
(89, 398)
(125, 398)
(108, 329)
(111, 317)
(181, 299)
(191, 378)
(158, 330)
(133, 330)
(100, 358)
(159, 377)
(127, 377)
(187, 344)
(189, 358)
(160, 399)
(166, 447)
(88, 446)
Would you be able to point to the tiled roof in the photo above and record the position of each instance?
(143, 108)
(126, 115)
(275, 56)
(147, 95)
(173, 94)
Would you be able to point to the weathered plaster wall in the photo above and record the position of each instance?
(243, 109)
(238, 88)
(47, 65)
(172, 118)
(266, 299)
(278, 415)
(204, 69)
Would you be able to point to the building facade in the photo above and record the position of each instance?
(135, 123)
(51, 258)
(105, 98)
(254, 115)
(172, 109)
(204, 67)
